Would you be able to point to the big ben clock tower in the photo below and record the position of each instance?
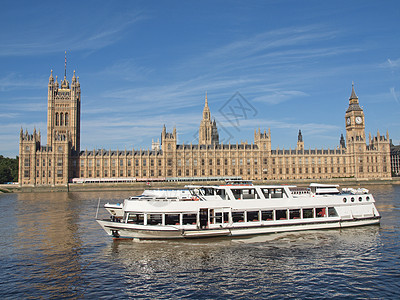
(355, 122)
(355, 135)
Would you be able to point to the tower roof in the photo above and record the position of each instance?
(206, 110)
(353, 93)
(353, 101)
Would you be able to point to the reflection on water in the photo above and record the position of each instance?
(52, 247)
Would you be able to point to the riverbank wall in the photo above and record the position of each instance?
(140, 186)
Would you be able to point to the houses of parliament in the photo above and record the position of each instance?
(62, 161)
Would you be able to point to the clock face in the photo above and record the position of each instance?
(358, 120)
(348, 121)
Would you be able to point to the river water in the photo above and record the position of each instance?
(51, 247)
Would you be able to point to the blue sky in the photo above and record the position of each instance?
(290, 64)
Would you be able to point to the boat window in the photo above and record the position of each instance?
(208, 192)
(220, 192)
(154, 219)
(249, 194)
(238, 216)
(281, 214)
(265, 193)
(189, 219)
(252, 216)
(171, 219)
(278, 193)
(215, 217)
(236, 194)
(308, 213)
(294, 214)
(332, 212)
(136, 218)
(226, 217)
(267, 215)
(320, 212)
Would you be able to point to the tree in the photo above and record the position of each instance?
(8, 169)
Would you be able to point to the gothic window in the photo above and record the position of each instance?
(121, 162)
(61, 119)
(57, 120)
(129, 162)
(66, 119)
(59, 173)
(144, 162)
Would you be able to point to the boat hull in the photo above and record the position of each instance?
(123, 230)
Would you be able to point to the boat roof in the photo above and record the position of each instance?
(323, 185)
(239, 186)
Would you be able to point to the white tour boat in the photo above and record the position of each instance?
(241, 208)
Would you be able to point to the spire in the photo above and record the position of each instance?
(74, 77)
(300, 137)
(353, 93)
(353, 101)
(51, 78)
(342, 141)
(206, 110)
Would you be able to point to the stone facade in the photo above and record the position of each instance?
(61, 160)
(395, 160)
